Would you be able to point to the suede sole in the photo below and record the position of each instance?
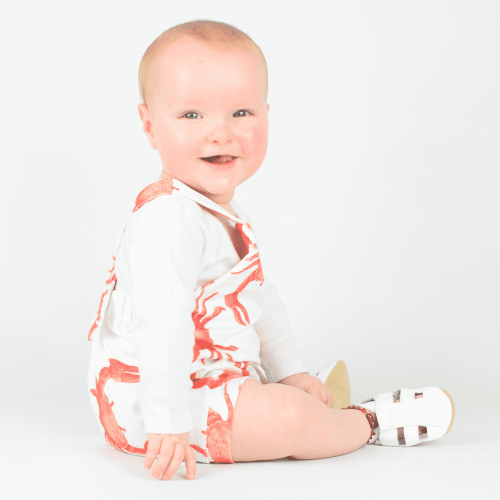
(452, 411)
(338, 384)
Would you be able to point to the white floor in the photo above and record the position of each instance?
(54, 450)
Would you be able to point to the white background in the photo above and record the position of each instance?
(377, 205)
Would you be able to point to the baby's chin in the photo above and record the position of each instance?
(215, 188)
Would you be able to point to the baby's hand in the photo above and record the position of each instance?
(310, 384)
(173, 450)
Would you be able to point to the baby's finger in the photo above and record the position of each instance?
(151, 454)
(175, 461)
(325, 395)
(166, 451)
(321, 394)
(330, 399)
(314, 391)
(190, 459)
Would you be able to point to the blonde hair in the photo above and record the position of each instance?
(213, 33)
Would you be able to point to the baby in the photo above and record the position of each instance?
(188, 321)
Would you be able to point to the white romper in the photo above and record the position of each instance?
(167, 360)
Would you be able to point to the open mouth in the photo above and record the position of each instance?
(219, 159)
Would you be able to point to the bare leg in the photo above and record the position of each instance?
(275, 421)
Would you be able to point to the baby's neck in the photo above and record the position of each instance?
(225, 204)
(227, 207)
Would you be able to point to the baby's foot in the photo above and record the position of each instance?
(401, 434)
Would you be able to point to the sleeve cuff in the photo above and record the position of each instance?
(285, 370)
(164, 426)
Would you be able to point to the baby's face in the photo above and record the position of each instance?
(207, 102)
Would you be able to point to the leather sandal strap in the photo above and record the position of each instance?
(432, 409)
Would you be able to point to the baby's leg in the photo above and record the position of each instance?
(275, 421)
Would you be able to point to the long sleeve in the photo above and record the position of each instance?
(279, 354)
(165, 251)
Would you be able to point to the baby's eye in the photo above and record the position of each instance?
(242, 111)
(190, 113)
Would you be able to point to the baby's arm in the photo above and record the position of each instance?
(165, 251)
(279, 355)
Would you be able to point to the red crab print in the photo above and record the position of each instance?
(150, 192)
(246, 240)
(231, 299)
(113, 433)
(225, 376)
(202, 334)
(199, 449)
(112, 277)
(218, 433)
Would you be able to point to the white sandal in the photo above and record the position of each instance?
(435, 410)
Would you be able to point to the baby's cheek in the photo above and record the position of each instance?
(258, 143)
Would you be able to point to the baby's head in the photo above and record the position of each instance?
(204, 90)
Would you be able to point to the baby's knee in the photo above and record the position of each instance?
(268, 421)
(293, 407)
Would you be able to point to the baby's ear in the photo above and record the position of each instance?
(147, 126)
(267, 105)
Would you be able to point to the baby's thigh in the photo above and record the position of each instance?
(267, 421)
